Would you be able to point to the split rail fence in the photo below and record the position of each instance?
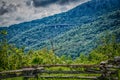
(106, 70)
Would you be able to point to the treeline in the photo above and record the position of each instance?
(12, 57)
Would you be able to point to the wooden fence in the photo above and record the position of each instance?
(106, 70)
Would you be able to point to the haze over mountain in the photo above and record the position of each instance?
(69, 33)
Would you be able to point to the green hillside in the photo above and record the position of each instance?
(84, 38)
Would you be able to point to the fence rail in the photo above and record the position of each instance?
(63, 65)
(106, 70)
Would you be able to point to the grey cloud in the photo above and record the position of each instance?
(19, 19)
(6, 8)
(43, 3)
(29, 2)
(3, 11)
(38, 3)
(61, 2)
(17, 11)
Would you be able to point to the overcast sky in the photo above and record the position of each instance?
(17, 11)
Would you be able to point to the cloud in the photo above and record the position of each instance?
(38, 3)
(44, 3)
(6, 8)
(61, 2)
(15, 12)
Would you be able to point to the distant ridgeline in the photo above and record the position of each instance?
(70, 33)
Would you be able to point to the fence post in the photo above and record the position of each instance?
(104, 70)
(117, 63)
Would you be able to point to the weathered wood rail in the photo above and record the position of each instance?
(107, 70)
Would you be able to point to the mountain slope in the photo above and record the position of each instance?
(82, 25)
(83, 39)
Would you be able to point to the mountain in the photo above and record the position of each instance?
(70, 33)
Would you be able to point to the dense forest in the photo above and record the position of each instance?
(12, 57)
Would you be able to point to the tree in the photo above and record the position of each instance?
(3, 50)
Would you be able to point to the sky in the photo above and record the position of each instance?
(18, 11)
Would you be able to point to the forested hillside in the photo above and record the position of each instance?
(70, 33)
(12, 57)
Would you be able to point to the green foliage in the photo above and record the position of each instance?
(12, 57)
(3, 32)
(3, 51)
(108, 49)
